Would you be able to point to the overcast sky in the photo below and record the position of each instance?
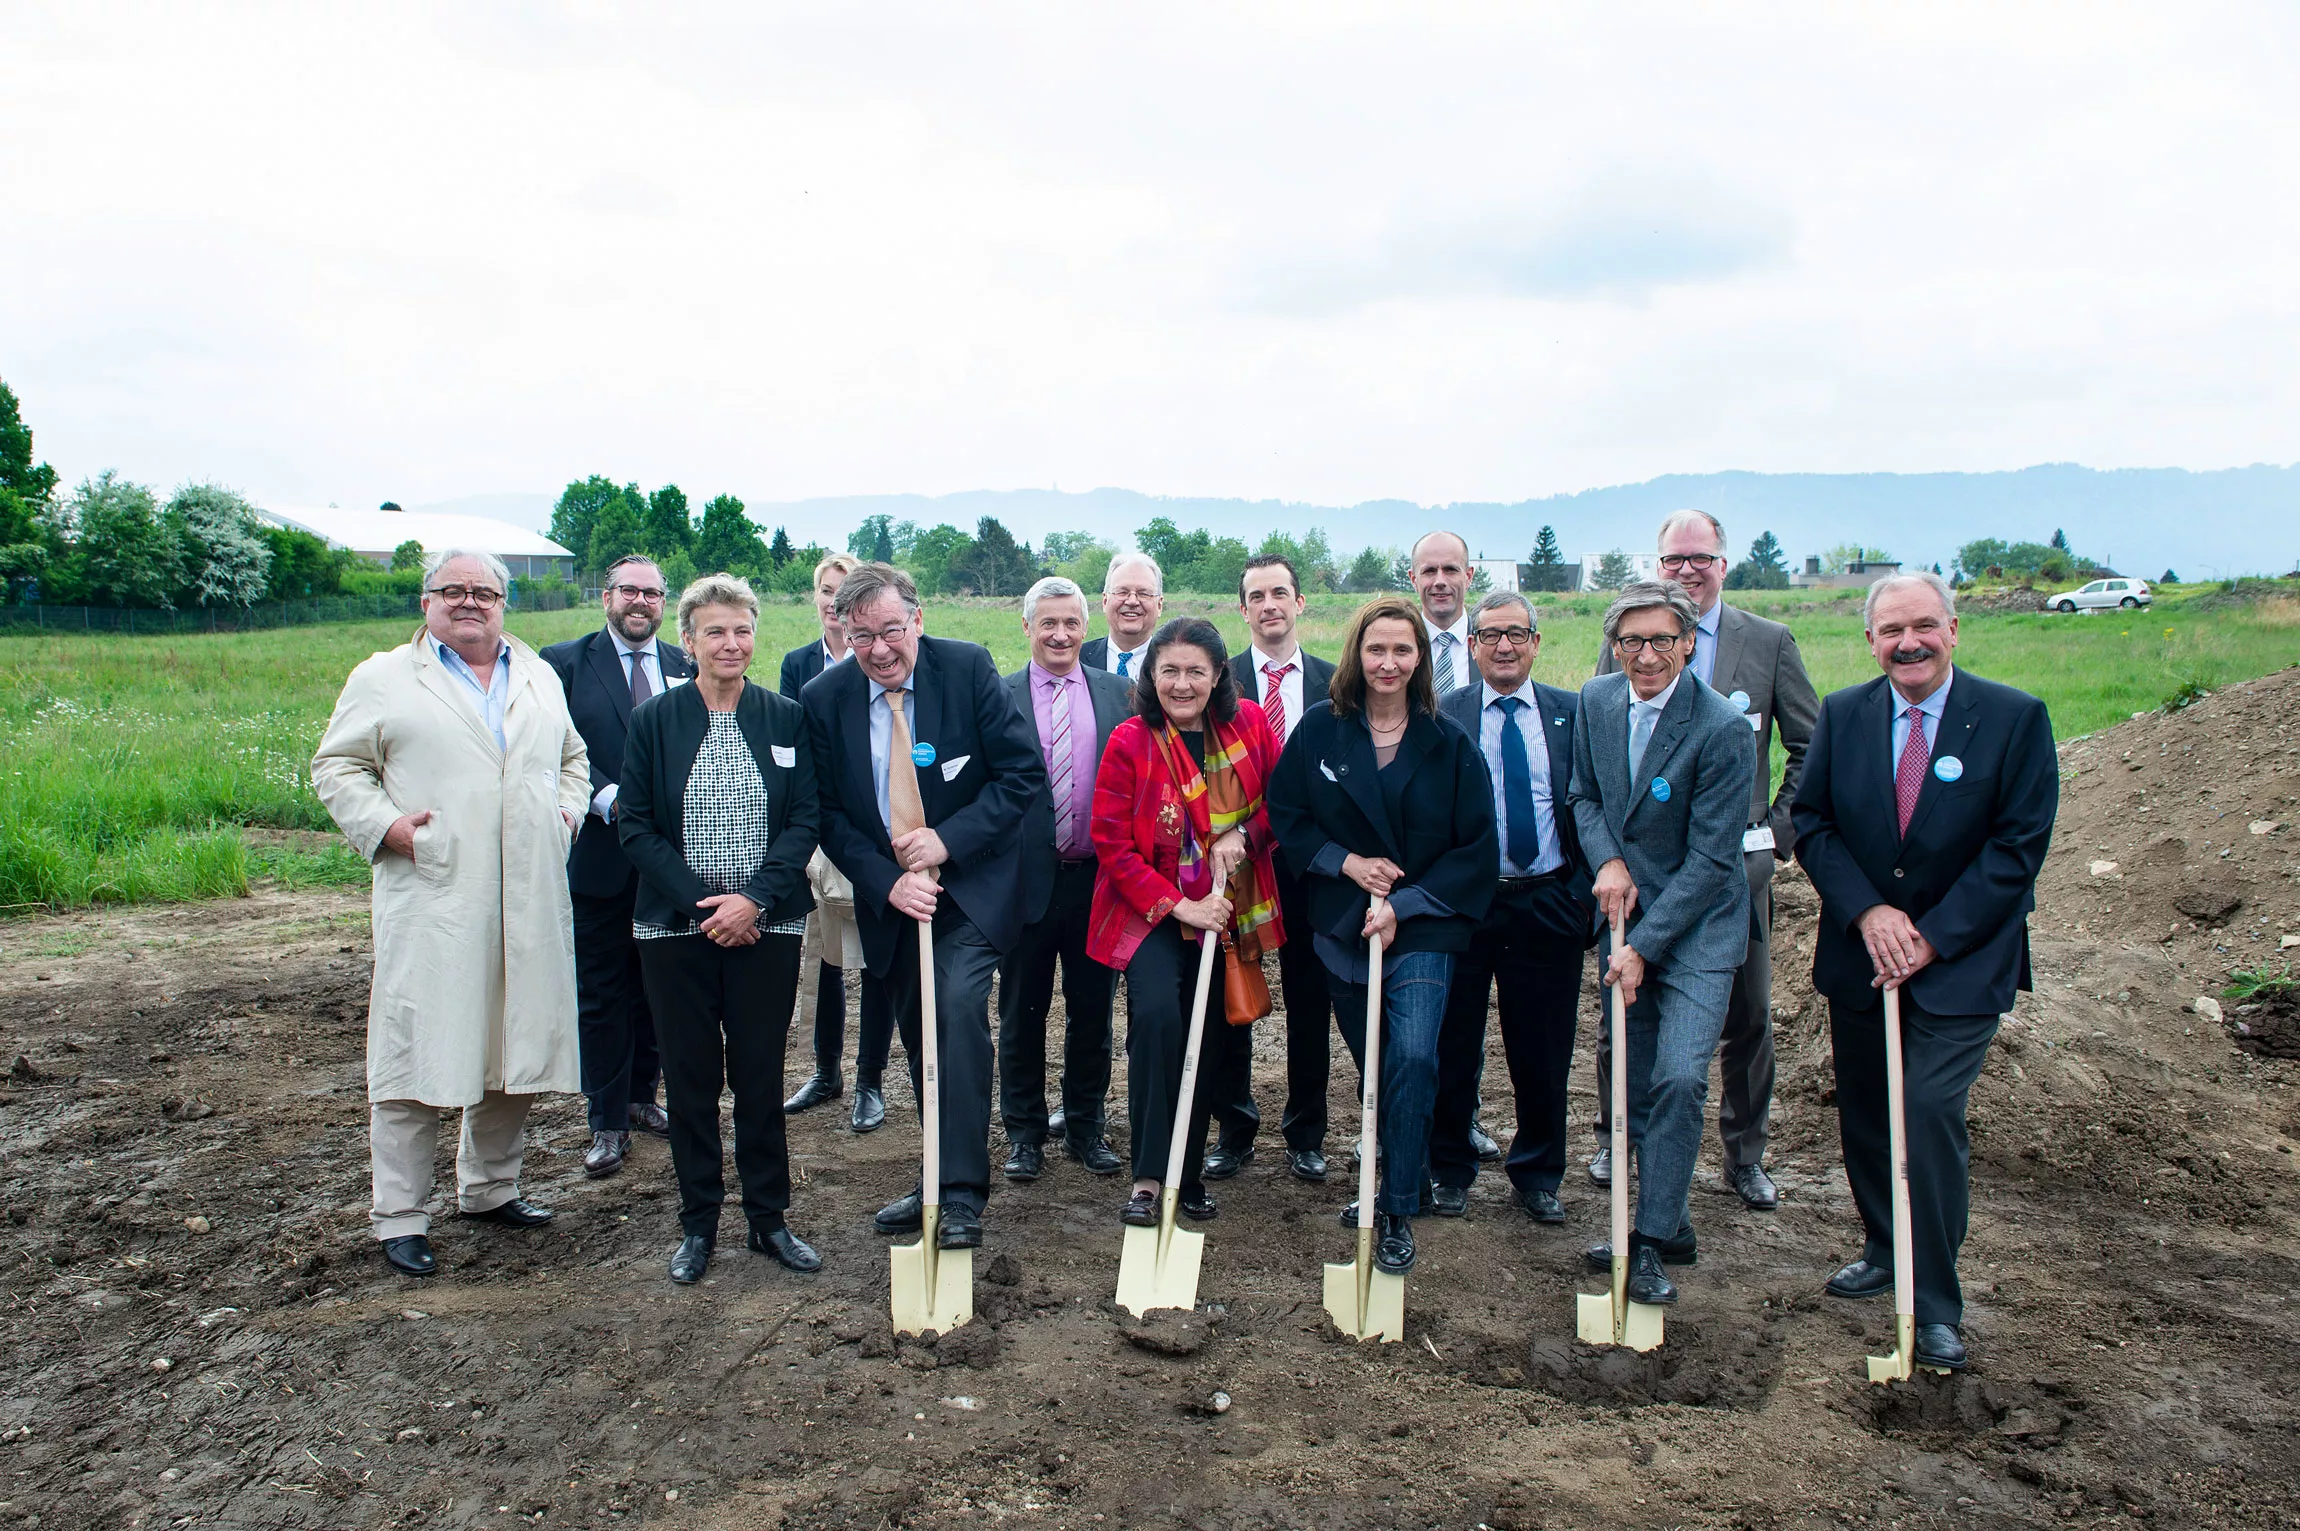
(1329, 252)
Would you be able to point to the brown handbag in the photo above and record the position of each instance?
(1245, 993)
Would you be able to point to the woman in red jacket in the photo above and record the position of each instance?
(1179, 798)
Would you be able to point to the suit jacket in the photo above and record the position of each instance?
(1326, 802)
(651, 808)
(1559, 710)
(1113, 703)
(1759, 659)
(1966, 873)
(1683, 849)
(801, 665)
(1094, 653)
(1317, 678)
(598, 689)
(986, 772)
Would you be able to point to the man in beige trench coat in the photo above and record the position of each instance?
(451, 763)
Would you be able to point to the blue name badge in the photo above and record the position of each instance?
(1740, 701)
(922, 754)
(1948, 768)
(1661, 789)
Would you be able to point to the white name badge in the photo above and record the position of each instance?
(786, 755)
(951, 768)
(1758, 839)
(1756, 722)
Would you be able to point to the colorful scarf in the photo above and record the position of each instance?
(1222, 797)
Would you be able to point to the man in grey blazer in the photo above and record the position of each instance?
(1071, 709)
(1661, 773)
(1754, 664)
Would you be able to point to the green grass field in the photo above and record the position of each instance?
(130, 766)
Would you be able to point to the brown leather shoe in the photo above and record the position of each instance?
(648, 1117)
(607, 1153)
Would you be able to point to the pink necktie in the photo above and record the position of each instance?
(1909, 778)
(1274, 699)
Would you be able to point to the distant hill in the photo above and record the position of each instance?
(2141, 520)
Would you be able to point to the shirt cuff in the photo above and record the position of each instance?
(1412, 903)
(605, 801)
(1328, 861)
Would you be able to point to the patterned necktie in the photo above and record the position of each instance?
(1909, 778)
(1521, 824)
(905, 810)
(1125, 658)
(640, 689)
(1444, 643)
(1058, 771)
(1274, 699)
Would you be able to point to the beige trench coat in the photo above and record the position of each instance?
(474, 939)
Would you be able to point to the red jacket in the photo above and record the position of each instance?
(1137, 829)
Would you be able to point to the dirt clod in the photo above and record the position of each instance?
(1167, 1331)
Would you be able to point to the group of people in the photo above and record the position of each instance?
(622, 863)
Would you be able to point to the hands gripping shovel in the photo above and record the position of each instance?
(1897, 1366)
(1610, 1318)
(1158, 1267)
(1363, 1302)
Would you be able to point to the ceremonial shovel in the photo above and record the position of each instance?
(1610, 1318)
(1896, 1367)
(1363, 1302)
(1158, 1267)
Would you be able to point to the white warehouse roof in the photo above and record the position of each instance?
(379, 531)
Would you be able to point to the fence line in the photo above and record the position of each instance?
(238, 619)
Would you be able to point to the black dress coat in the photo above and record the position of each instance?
(801, 665)
(1246, 670)
(598, 687)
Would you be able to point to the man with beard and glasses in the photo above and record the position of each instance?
(604, 675)
(1923, 820)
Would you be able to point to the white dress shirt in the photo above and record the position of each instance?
(1656, 707)
(1464, 672)
(1289, 690)
(1529, 728)
(1932, 709)
(650, 660)
(1112, 653)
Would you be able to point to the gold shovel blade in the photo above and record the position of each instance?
(1896, 1367)
(1593, 1322)
(1145, 1281)
(1384, 1318)
(931, 1288)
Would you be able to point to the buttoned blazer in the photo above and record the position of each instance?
(1966, 871)
(597, 686)
(1681, 842)
(1113, 703)
(985, 772)
(1559, 710)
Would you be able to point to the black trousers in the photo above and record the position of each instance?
(1161, 982)
(1528, 951)
(875, 1034)
(1744, 1050)
(1309, 1018)
(1941, 1056)
(1026, 993)
(724, 1015)
(614, 1029)
(964, 963)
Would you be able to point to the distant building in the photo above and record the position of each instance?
(1860, 574)
(373, 534)
(1500, 573)
(1641, 566)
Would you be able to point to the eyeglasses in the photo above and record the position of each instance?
(1697, 562)
(651, 596)
(1633, 645)
(1513, 636)
(481, 596)
(864, 640)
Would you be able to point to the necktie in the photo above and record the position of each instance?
(1125, 658)
(1058, 765)
(1444, 644)
(640, 689)
(905, 811)
(1641, 720)
(1274, 699)
(1521, 825)
(1909, 778)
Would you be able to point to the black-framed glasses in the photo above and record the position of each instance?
(648, 593)
(863, 640)
(1515, 637)
(1661, 643)
(1697, 562)
(481, 596)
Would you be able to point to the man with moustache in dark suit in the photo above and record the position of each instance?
(1072, 708)
(604, 676)
(1923, 819)
(1133, 597)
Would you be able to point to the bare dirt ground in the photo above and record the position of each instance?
(199, 1331)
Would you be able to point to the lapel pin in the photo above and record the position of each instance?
(1661, 789)
(1740, 701)
(1948, 768)
(922, 754)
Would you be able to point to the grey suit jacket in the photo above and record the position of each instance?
(1759, 659)
(1113, 703)
(1682, 848)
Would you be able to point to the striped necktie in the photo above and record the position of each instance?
(1274, 699)
(1444, 644)
(1058, 765)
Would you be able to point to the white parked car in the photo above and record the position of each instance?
(2103, 593)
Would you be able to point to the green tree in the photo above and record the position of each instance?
(618, 531)
(227, 561)
(303, 567)
(1311, 554)
(931, 553)
(27, 491)
(128, 555)
(1612, 571)
(729, 539)
(779, 550)
(578, 511)
(666, 528)
(2060, 541)
(1837, 559)
(1766, 567)
(1069, 547)
(873, 540)
(409, 555)
(1548, 561)
(1370, 571)
(2169, 578)
(993, 564)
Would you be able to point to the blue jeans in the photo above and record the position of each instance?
(1673, 1031)
(1414, 988)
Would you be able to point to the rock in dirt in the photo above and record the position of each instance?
(177, 1108)
(23, 1072)
(1167, 1332)
(1002, 1271)
(974, 1345)
(2208, 906)
(2271, 1028)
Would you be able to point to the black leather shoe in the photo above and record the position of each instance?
(1646, 1283)
(1448, 1200)
(787, 1249)
(1861, 1279)
(1306, 1164)
(514, 1213)
(1349, 1215)
(821, 1087)
(1481, 1141)
(607, 1153)
(1544, 1207)
(1755, 1188)
(961, 1228)
(1225, 1161)
(1601, 1166)
(410, 1255)
(1057, 1123)
(1198, 1204)
(1940, 1345)
(1025, 1161)
(902, 1215)
(1141, 1210)
(1393, 1243)
(870, 1110)
(649, 1118)
(691, 1259)
(1684, 1249)
(1098, 1157)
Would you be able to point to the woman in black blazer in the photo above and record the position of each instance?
(1386, 808)
(718, 812)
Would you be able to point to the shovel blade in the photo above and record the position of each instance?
(1384, 1317)
(932, 1288)
(1892, 1368)
(1641, 1326)
(1146, 1282)
(1593, 1322)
